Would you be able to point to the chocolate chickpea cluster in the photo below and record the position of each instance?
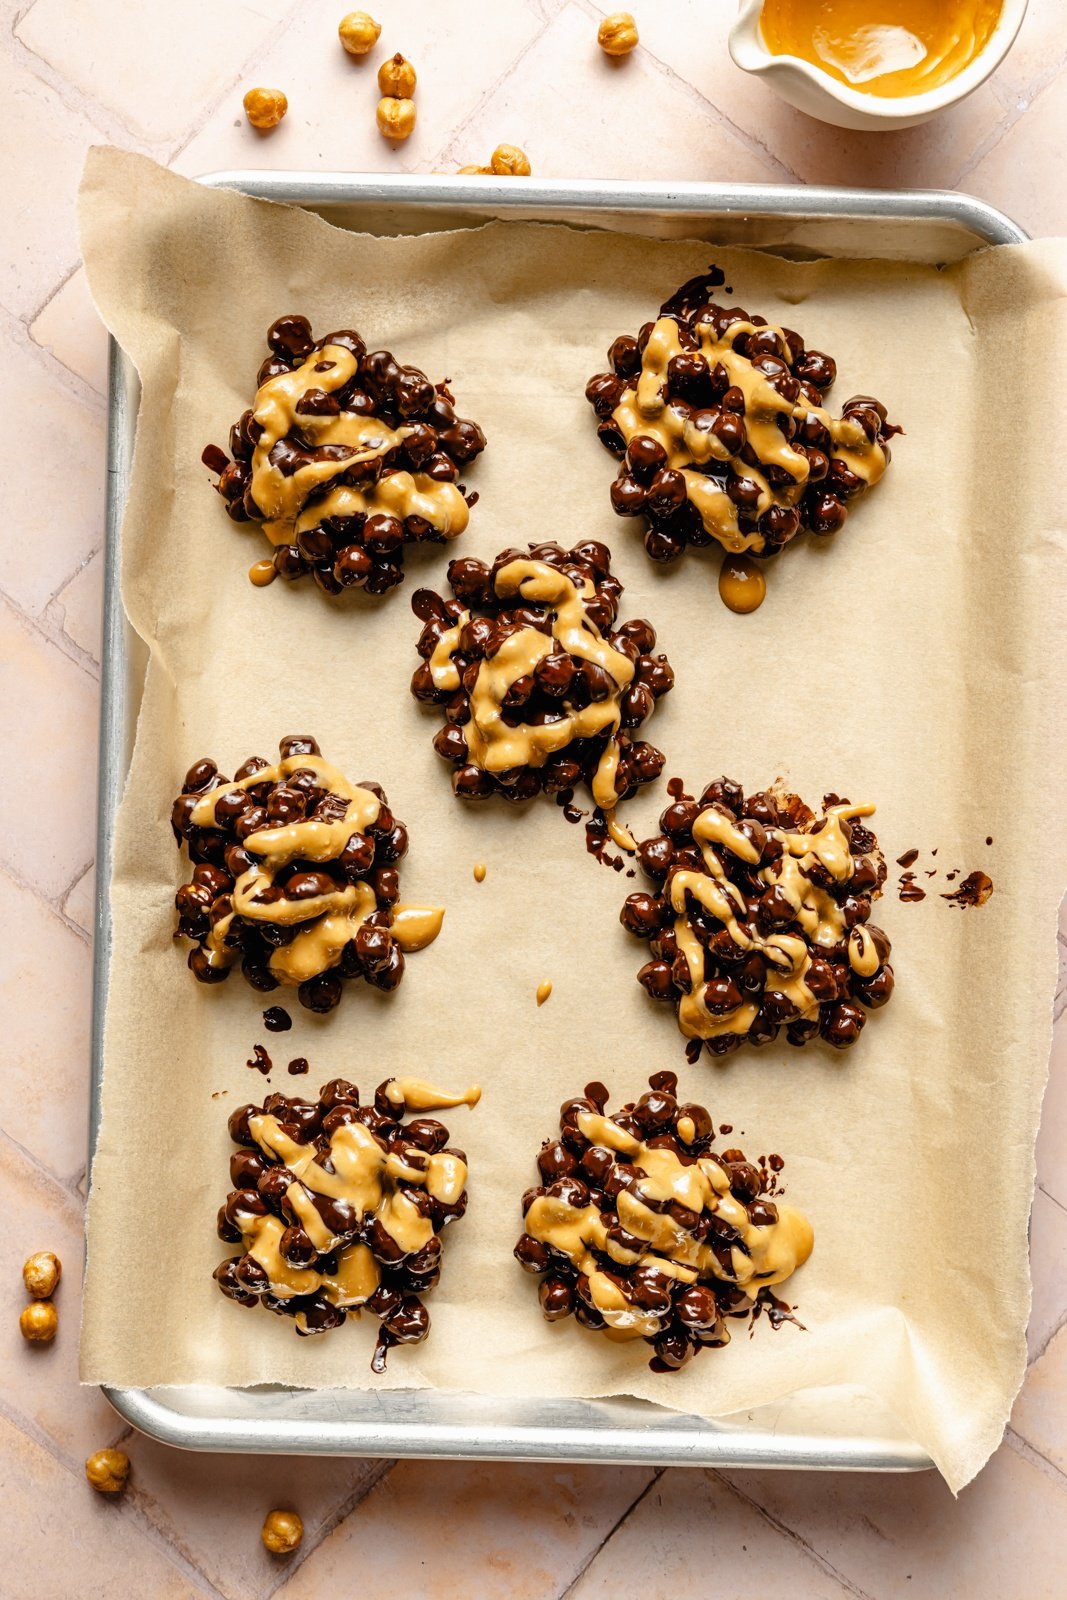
(296, 877)
(541, 689)
(719, 421)
(640, 1231)
(343, 459)
(339, 1206)
(759, 919)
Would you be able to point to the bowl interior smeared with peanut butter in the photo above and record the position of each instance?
(889, 48)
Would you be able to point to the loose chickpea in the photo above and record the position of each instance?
(41, 1274)
(617, 34)
(358, 33)
(508, 161)
(282, 1532)
(396, 117)
(108, 1470)
(39, 1322)
(265, 108)
(396, 77)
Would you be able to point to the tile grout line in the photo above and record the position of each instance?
(49, 633)
(748, 141)
(365, 1487)
(1013, 115)
(125, 1506)
(1037, 1458)
(53, 905)
(445, 152)
(798, 1539)
(210, 107)
(54, 1180)
(75, 386)
(612, 1531)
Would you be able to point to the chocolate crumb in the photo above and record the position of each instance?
(277, 1020)
(298, 1067)
(261, 1061)
(989, 838)
(909, 858)
(973, 891)
(692, 1051)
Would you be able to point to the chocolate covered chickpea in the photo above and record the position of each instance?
(759, 919)
(339, 1206)
(542, 688)
(640, 1230)
(344, 459)
(296, 877)
(719, 422)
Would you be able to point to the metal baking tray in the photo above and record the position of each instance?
(831, 1429)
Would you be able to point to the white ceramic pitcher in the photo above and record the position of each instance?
(820, 95)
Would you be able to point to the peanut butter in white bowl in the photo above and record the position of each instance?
(869, 64)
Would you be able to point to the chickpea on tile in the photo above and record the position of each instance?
(358, 33)
(265, 108)
(617, 34)
(282, 1532)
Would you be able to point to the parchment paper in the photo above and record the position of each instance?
(914, 660)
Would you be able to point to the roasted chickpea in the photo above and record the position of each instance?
(480, 172)
(508, 161)
(282, 1532)
(41, 1274)
(617, 34)
(396, 77)
(265, 108)
(39, 1322)
(396, 117)
(108, 1470)
(358, 33)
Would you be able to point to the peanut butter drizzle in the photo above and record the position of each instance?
(543, 991)
(763, 1256)
(261, 573)
(644, 411)
(282, 497)
(332, 918)
(814, 909)
(495, 745)
(368, 1178)
(742, 586)
(414, 927)
(416, 1095)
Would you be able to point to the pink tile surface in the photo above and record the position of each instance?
(170, 80)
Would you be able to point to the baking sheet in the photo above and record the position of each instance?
(928, 1315)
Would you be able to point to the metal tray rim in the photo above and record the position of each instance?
(666, 1442)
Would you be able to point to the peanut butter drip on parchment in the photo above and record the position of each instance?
(817, 912)
(644, 410)
(495, 744)
(369, 1179)
(417, 1095)
(762, 1255)
(348, 441)
(742, 586)
(331, 918)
